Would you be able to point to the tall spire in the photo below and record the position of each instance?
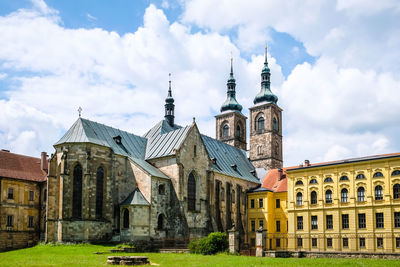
(169, 105)
(231, 103)
(265, 94)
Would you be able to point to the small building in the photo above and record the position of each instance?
(350, 205)
(22, 194)
(267, 209)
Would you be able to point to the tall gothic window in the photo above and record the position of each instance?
(225, 130)
(191, 192)
(260, 123)
(275, 124)
(77, 192)
(160, 222)
(99, 192)
(126, 219)
(238, 131)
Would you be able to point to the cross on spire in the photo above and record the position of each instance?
(80, 111)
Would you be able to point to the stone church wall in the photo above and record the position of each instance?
(139, 221)
(118, 183)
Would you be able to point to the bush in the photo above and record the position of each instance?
(212, 244)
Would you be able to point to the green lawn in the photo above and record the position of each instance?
(82, 255)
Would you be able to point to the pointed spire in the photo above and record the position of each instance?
(231, 102)
(265, 94)
(169, 89)
(169, 105)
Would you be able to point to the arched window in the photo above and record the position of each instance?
(233, 196)
(299, 182)
(77, 192)
(99, 192)
(378, 192)
(275, 124)
(313, 197)
(378, 174)
(126, 219)
(299, 199)
(396, 191)
(161, 189)
(160, 222)
(361, 194)
(259, 150)
(313, 181)
(328, 196)
(260, 123)
(191, 192)
(344, 178)
(344, 195)
(360, 176)
(328, 180)
(238, 131)
(396, 172)
(225, 131)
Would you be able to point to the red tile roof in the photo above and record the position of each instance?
(21, 167)
(272, 182)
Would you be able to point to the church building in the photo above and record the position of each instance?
(170, 184)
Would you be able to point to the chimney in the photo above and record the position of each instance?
(307, 163)
(280, 171)
(43, 161)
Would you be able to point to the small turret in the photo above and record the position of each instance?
(169, 106)
(265, 94)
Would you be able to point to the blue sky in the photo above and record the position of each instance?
(333, 69)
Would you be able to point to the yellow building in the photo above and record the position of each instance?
(22, 194)
(267, 209)
(349, 205)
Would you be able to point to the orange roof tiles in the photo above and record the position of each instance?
(21, 167)
(272, 182)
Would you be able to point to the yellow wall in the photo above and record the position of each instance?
(269, 214)
(353, 207)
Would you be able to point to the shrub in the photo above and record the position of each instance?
(212, 244)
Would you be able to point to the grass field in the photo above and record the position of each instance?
(83, 255)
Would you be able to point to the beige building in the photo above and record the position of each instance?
(22, 194)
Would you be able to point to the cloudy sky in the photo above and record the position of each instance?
(335, 68)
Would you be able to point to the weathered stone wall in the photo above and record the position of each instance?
(17, 239)
(119, 181)
(160, 205)
(268, 139)
(139, 223)
(232, 119)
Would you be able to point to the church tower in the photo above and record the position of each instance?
(266, 125)
(169, 106)
(231, 123)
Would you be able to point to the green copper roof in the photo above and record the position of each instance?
(265, 94)
(231, 104)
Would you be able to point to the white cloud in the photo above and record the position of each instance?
(91, 17)
(3, 76)
(118, 80)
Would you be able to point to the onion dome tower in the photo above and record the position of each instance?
(169, 106)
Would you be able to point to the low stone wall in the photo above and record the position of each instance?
(17, 239)
(329, 254)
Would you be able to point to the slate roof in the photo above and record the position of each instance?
(226, 156)
(159, 141)
(136, 198)
(21, 167)
(86, 131)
